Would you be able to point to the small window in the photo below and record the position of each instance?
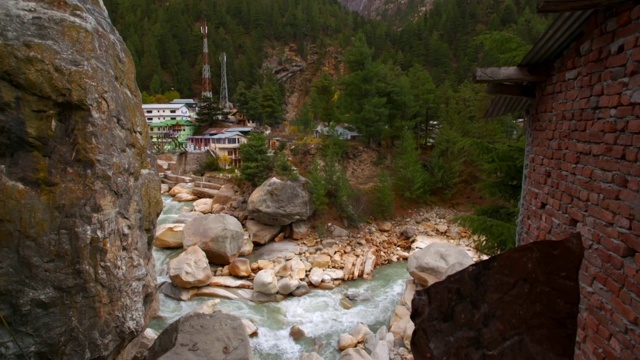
(172, 111)
(148, 111)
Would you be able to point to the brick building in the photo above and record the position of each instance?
(580, 89)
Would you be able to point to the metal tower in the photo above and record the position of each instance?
(224, 93)
(206, 70)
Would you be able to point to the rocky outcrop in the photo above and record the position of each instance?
(437, 261)
(203, 336)
(80, 194)
(220, 236)
(521, 304)
(278, 202)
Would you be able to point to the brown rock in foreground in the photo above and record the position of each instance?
(80, 194)
(522, 304)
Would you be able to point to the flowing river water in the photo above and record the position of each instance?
(318, 313)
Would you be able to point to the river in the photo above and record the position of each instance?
(318, 313)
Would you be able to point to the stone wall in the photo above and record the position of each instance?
(583, 176)
(187, 163)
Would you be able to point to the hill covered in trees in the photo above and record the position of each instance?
(404, 89)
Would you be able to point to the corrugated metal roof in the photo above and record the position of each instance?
(162, 106)
(502, 105)
(559, 34)
(564, 29)
(225, 135)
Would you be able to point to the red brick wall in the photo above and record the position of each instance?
(583, 175)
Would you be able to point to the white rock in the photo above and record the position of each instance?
(315, 276)
(287, 285)
(266, 282)
(437, 261)
(381, 351)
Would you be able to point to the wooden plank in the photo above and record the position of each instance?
(554, 6)
(515, 74)
(519, 90)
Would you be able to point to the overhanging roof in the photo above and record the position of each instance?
(564, 29)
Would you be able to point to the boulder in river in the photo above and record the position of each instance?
(79, 185)
(219, 236)
(169, 236)
(437, 261)
(278, 202)
(203, 336)
(266, 282)
(190, 269)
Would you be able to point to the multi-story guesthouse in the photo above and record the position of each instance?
(170, 125)
(224, 143)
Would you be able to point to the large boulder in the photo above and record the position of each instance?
(260, 233)
(190, 269)
(203, 336)
(278, 202)
(437, 261)
(79, 185)
(219, 236)
(522, 304)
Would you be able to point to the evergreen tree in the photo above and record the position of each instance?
(409, 174)
(382, 200)
(209, 112)
(256, 162)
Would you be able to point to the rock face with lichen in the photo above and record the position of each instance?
(80, 196)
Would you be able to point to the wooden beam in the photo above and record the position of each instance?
(555, 6)
(515, 74)
(519, 90)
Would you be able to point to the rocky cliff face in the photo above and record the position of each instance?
(522, 304)
(79, 194)
(388, 9)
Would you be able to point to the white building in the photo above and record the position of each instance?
(155, 113)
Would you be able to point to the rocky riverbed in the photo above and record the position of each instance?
(268, 263)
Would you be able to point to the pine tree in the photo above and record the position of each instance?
(409, 174)
(209, 112)
(256, 162)
(382, 199)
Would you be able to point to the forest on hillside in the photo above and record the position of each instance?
(404, 88)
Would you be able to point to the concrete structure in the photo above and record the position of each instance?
(164, 112)
(580, 85)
